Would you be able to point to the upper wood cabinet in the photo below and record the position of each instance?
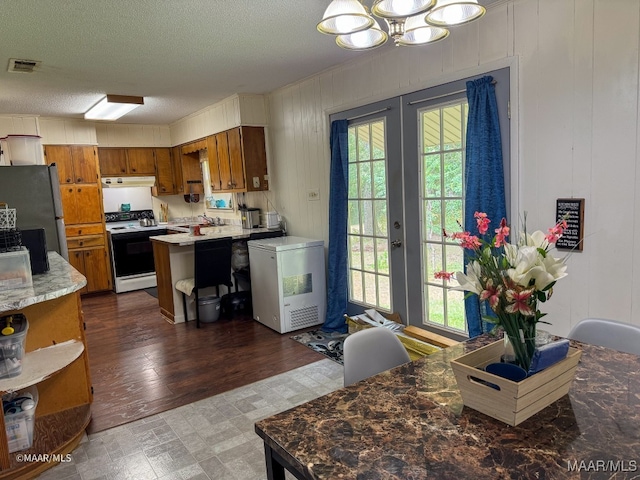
(81, 204)
(76, 163)
(141, 161)
(165, 179)
(176, 163)
(191, 173)
(120, 162)
(240, 160)
(113, 162)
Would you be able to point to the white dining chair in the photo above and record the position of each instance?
(371, 351)
(620, 336)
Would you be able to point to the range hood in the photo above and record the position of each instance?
(116, 182)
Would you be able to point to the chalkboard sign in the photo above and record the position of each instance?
(572, 210)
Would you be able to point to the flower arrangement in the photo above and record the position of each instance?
(512, 278)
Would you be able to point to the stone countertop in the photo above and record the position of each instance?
(61, 279)
(411, 423)
(208, 233)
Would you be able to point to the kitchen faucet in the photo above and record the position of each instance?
(211, 221)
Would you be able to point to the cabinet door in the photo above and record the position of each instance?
(141, 161)
(222, 144)
(69, 204)
(113, 162)
(254, 157)
(97, 271)
(236, 160)
(61, 156)
(88, 204)
(85, 165)
(76, 259)
(214, 164)
(164, 176)
(176, 163)
(192, 173)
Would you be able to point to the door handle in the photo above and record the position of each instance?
(396, 243)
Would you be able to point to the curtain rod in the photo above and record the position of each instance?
(442, 96)
(367, 114)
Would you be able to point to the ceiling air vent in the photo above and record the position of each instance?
(18, 65)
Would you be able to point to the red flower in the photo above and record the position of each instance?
(483, 222)
(556, 231)
(519, 302)
(502, 233)
(492, 294)
(444, 275)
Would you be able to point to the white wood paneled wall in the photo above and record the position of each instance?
(229, 113)
(131, 135)
(578, 132)
(18, 125)
(60, 131)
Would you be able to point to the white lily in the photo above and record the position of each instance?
(471, 280)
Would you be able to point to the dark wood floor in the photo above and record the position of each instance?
(142, 365)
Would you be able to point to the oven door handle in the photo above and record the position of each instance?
(136, 235)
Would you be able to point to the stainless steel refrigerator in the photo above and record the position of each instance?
(34, 191)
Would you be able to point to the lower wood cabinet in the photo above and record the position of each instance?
(93, 263)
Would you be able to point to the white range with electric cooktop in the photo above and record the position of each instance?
(131, 250)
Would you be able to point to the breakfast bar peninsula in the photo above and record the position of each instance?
(173, 256)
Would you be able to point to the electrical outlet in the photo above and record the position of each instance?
(313, 194)
(256, 182)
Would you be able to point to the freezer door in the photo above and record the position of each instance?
(29, 189)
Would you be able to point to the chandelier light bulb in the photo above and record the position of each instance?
(448, 13)
(418, 32)
(395, 9)
(343, 17)
(364, 40)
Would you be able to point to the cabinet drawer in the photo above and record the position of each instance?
(85, 241)
(86, 229)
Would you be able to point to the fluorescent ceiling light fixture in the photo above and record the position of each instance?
(113, 107)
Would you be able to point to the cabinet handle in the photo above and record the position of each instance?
(79, 232)
(68, 180)
(79, 180)
(133, 169)
(123, 170)
(79, 190)
(71, 190)
(81, 243)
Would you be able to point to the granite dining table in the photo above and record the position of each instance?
(410, 423)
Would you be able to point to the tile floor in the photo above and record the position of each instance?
(210, 439)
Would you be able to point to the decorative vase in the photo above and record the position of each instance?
(519, 339)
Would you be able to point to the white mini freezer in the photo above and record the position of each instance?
(288, 287)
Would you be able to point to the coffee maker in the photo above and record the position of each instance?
(250, 217)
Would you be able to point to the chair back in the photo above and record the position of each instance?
(612, 334)
(212, 262)
(371, 351)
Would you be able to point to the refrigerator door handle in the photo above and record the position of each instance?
(55, 190)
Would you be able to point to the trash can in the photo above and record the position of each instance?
(209, 308)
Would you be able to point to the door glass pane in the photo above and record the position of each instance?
(443, 148)
(364, 173)
(377, 140)
(370, 283)
(432, 176)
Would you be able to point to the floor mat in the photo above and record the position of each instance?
(328, 344)
(153, 291)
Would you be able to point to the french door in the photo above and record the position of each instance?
(406, 184)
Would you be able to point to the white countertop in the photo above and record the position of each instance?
(208, 233)
(61, 279)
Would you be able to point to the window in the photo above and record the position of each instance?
(368, 239)
(442, 149)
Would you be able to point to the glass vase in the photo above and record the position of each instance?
(519, 343)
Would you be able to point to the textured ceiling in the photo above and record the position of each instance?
(181, 55)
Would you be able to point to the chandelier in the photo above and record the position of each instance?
(409, 22)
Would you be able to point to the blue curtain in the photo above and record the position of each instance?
(484, 178)
(339, 184)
